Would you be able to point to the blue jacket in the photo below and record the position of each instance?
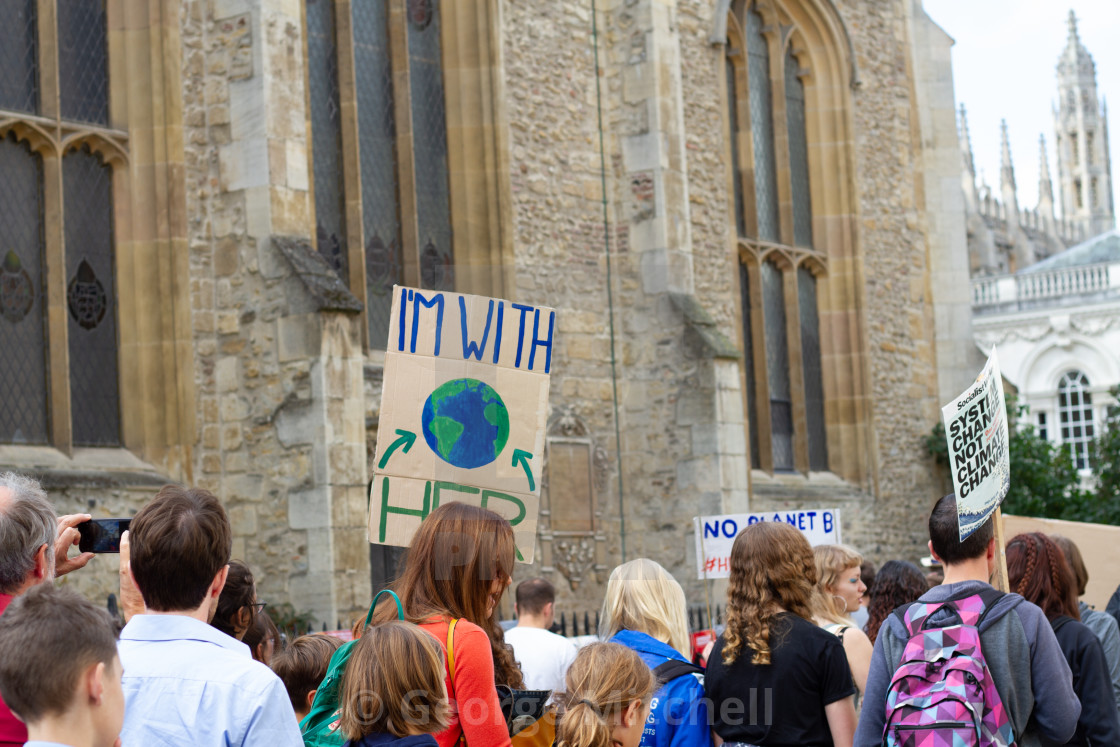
(678, 715)
(388, 740)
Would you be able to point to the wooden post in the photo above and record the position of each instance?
(999, 573)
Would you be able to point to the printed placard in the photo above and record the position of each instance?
(464, 408)
(716, 534)
(976, 431)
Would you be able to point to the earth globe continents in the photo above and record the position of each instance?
(465, 423)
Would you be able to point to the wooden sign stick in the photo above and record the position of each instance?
(999, 573)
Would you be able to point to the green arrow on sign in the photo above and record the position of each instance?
(523, 458)
(407, 439)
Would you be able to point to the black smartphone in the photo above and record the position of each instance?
(102, 535)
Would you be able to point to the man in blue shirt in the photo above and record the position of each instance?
(184, 681)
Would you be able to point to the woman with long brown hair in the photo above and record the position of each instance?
(456, 570)
(1037, 570)
(897, 583)
(789, 678)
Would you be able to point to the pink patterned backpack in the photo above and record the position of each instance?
(942, 694)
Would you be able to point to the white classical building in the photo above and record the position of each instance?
(1056, 325)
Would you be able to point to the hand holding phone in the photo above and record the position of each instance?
(102, 535)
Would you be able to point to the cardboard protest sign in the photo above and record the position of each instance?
(716, 534)
(976, 430)
(464, 407)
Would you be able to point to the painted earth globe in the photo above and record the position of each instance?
(465, 423)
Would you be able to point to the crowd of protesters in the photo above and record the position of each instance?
(198, 662)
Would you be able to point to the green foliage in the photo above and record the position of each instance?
(1044, 481)
(1105, 459)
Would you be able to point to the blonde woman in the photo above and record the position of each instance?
(838, 592)
(786, 679)
(607, 700)
(644, 610)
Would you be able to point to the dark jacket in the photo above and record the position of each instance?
(1098, 724)
(1030, 673)
(388, 740)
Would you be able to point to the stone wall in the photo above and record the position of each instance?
(287, 402)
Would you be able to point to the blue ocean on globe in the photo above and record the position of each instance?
(465, 423)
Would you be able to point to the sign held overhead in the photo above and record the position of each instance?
(716, 534)
(976, 431)
(464, 409)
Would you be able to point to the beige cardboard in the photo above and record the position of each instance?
(410, 379)
(508, 349)
(1099, 545)
(391, 494)
(413, 329)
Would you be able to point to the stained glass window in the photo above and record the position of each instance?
(376, 130)
(748, 363)
(429, 135)
(762, 129)
(83, 61)
(23, 334)
(326, 134)
(811, 368)
(91, 299)
(736, 164)
(1075, 416)
(19, 75)
(798, 154)
(777, 366)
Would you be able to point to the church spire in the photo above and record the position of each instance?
(1084, 173)
(968, 168)
(1045, 188)
(1006, 170)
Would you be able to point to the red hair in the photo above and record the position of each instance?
(1037, 569)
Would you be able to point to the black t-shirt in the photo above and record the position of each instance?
(781, 703)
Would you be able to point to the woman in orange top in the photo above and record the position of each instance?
(457, 568)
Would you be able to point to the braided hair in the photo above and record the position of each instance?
(1037, 570)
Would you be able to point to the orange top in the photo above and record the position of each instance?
(476, 712)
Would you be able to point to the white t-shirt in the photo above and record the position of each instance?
(543, 655)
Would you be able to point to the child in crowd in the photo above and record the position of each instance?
(302, 666)
(262, 638)
(607, 702)
(59, 672)
(393, 692)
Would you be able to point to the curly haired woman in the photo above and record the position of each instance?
(896, 584)
(789, 679)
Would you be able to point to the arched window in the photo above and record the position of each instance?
(59, 361)
(394, 200)
(779, 265)
(1075, 416)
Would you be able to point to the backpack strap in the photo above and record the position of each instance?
(462, 740)
(670, 669)
(988, 598)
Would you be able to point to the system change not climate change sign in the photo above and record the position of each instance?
(464, 408)
(976, 431)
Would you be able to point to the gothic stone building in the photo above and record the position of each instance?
(1006, 238)
(746, 213)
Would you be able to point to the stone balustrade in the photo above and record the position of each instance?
(990, 293)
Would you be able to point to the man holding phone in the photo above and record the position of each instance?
(34, 549)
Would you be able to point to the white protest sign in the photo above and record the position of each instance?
(716, 534)
(464, 407)
(976, 431)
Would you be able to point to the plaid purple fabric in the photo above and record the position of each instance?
(942, 694)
